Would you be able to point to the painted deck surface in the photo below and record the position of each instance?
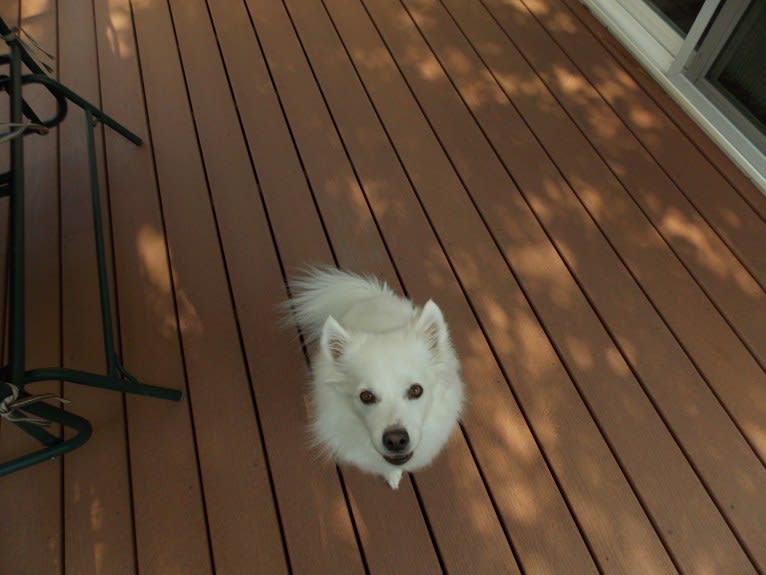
(600, 263)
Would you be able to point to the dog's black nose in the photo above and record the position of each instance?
(396, 439)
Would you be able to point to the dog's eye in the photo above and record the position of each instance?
(367, 397)
(415, 391)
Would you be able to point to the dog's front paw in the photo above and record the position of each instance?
(393, 478)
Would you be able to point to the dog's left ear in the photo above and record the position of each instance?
(431, 324)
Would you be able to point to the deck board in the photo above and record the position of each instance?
(97, 490)
(224, 423)
(598, 260)
(169, 517)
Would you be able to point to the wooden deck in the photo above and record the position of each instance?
(600, 262)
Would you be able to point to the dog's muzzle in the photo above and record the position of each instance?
(396, 440)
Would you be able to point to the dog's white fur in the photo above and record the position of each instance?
(370, 339)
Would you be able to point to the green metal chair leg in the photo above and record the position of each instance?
(67, 420)
(14, 376)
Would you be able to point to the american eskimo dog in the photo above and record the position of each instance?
(386, 390)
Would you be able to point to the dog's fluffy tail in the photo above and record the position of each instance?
(323, 292)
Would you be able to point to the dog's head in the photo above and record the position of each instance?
(400, 389)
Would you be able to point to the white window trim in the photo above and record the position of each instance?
(666, 69)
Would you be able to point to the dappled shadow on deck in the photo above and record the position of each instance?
(598, 261)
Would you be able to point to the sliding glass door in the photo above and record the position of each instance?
(730, 67)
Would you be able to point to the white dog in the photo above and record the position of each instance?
(386, 390)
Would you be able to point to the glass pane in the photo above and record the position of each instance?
(739, 72)
(679, 13)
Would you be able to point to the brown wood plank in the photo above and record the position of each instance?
(30, 547)
(98, 516)
(170, 526)
(234, 472)
(648, 452)
(460, 512)
(727, 212)
(705, 256)
(730, 370)
(634, 323)
(477, 262)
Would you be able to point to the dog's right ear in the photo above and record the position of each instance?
(334, 338)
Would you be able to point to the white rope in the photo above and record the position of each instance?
(25, 126)
(11, 407)
(20, 128)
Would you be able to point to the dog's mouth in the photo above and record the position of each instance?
(398, 459)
